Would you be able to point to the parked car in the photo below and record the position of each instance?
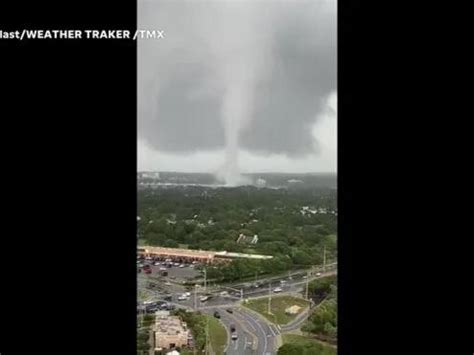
(147, 271)
(204, 298)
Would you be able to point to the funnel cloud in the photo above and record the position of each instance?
(236, 77)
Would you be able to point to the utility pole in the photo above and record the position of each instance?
(307, 283)
(205, 278)
(324, 259)
(269, 298)
(195, 297)
(256, 274)
(241, 294)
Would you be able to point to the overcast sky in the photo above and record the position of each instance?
(247, 80)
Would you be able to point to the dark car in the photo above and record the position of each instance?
(228, 310)
(216, 314)
(232, 328)
(168, 298)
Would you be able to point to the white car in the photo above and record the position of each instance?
(181, 266)
(318, 274)
(204, 298)
(224, 293)
(278, 289)
(283, 282)
(162, 269)
(176, 264)
(157, 263)
(168, 283)
(182, 298)
(187, 294)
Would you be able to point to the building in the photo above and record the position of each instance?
(189, 255)
(261, 182)
(181, 255)
(170, 332)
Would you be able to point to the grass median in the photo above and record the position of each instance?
(217, 335)
(278, 306)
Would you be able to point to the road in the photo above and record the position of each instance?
(256, 336)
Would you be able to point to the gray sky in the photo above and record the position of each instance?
(247, 80)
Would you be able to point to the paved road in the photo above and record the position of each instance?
(256, 336)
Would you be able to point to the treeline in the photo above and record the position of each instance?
(213, 219)
(196, 322)
(323, 320)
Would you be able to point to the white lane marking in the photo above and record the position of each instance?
(263, 332)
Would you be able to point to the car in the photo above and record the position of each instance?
(224, 293)
(147, 271)
(203, 298)
(140, 265)
(148, 258)
(182, 298)
(229, 310)
(181, 266)
(278, 289)
(232, 328)
(191, 266)
(216, 314)
(163, 269)
(168, 298)
(318, 274)
(234, 337)
(282, 282)
(157, 263)
(176, 264)
(167, 283)
(188, 294)
(305, 277)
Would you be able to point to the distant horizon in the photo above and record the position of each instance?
(243, 173)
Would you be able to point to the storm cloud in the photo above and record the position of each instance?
(251, 75)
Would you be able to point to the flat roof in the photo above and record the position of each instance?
(199, 253)
(177, 251)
